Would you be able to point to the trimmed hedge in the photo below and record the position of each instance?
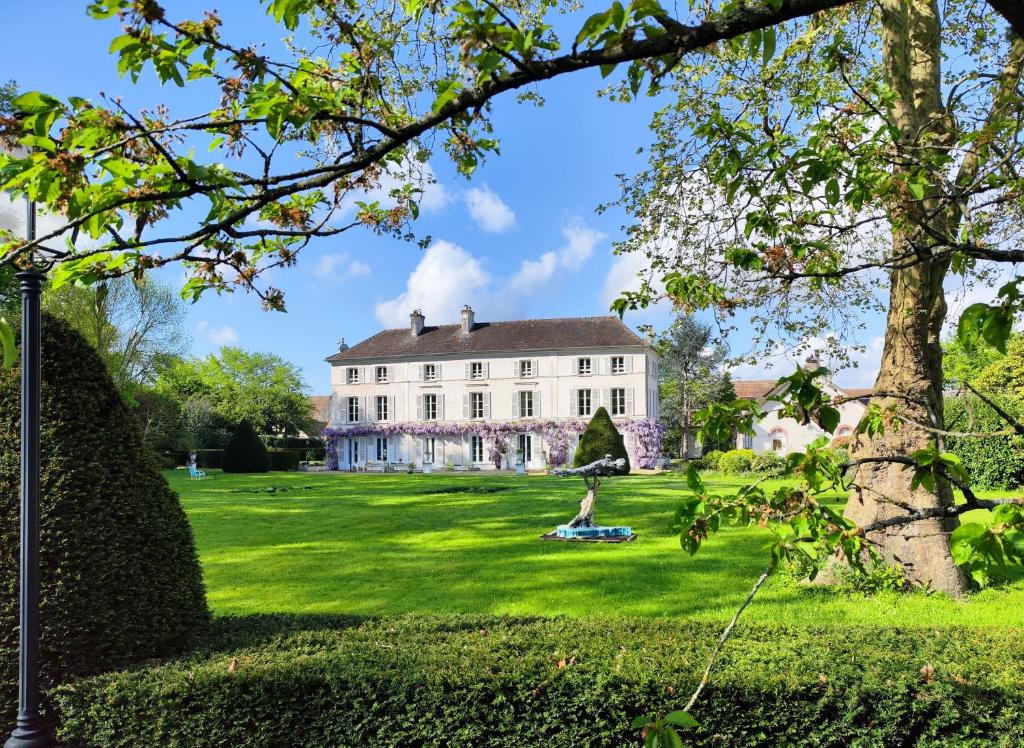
(994, 461)
(245, 452)
(284, 459)
(736, 461)
(120, 579)
(601, 438)
(266, 682)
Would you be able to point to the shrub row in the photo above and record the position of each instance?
(994, 461)
(280, 459)
(743, 461)
(300, 443)
(484, 681)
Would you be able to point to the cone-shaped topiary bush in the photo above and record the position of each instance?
(120, 580)
(600, 438)
(245, 452)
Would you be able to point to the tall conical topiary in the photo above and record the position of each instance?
(600, 438)
(120, 580)
(245, 452)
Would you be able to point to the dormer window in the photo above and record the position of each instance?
(352, 375)
(583, 366)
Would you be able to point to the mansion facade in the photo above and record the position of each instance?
(442, 395)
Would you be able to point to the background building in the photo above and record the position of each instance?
(443, 394)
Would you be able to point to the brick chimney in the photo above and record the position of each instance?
(811, 363)
(416, 321)
(468, 320)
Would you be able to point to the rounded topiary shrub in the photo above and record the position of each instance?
(712, 458)
(119, 578)
(736, 461)
(245, 452)
(601, 438)
(768, 464)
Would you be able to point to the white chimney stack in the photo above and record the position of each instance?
(416, 321)
(811, 363)
(468, 320)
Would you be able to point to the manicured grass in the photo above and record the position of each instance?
(393, 543)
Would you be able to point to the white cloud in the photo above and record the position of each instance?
(225, 335)
(580, 241)
(338, 267)
(446, 278)
(627, 273)
(488, 210)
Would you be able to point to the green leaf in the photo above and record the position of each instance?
(35, 102)
(829, 418)
(694, 481)
(968, 327)
(10, 350)
(642, 721)
(680, 719)
(768, 49)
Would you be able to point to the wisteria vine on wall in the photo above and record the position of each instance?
(648, 435)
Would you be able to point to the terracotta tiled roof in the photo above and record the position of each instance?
(486, 337)
(319, 407)
(754, 389)
(858, 391)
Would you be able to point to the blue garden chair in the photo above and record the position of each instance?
(196, 474)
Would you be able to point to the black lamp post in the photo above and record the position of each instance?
(31, 730)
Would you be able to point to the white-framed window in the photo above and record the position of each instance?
(584, 402)
(430, 407)
(476, 448)
(381, 375)
(583, 366)
(526, 404)
(476, 405)
(382, 408)
(428, 450)
(748, 441)
(618, 398)
(382, 449)
(526, 369)
(618, 364)
(778, 437)
(476, 370)
(353, 409)
(352, 375)
(429, 372)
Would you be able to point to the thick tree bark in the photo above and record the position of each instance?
(911, 368)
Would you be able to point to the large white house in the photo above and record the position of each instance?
(785, 435)
(435, 395)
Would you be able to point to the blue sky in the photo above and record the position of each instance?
(522, 239)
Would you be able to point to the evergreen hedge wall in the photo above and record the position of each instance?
(515, 683)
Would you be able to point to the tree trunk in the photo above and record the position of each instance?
(911, 366)
(585, 518)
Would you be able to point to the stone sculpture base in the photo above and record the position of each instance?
(596, 534)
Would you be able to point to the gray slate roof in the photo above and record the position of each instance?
(495, 337)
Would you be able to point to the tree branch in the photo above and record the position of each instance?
(724, 638)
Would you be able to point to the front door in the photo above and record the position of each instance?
(524, 449)
(353, 452)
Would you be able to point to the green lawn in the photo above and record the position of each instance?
(387, 544)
